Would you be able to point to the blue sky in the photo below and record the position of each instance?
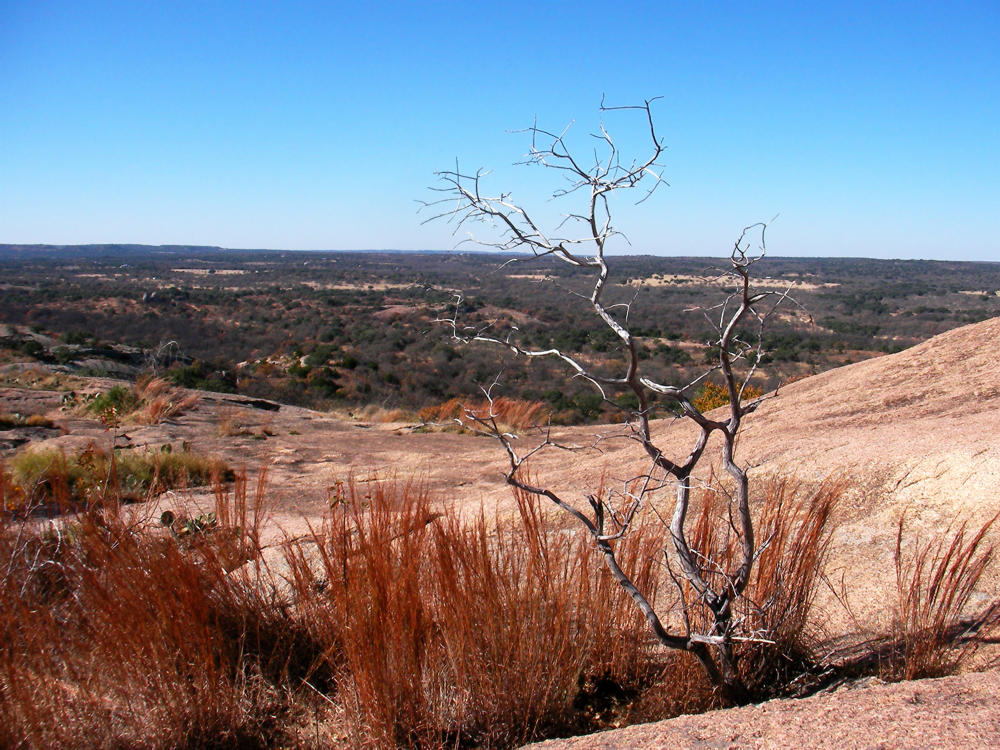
(872, 129)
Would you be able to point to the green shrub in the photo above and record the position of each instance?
(118, 401)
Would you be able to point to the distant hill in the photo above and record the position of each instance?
(113, 250)
(69, 252)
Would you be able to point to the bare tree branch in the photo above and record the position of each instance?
(738, 322)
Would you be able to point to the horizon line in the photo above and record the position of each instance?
(28, 246)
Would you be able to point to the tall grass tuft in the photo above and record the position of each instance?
(445, 632)
(52, 481)
(935, 630)
(113, 636)
(776, 640)
(159, 400)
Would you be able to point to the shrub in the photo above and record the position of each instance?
(203, 376)
(33, 349)
(117, 401)
(712, 396)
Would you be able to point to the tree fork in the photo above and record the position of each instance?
(466, 203)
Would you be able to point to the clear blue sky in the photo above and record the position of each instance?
(873, 129)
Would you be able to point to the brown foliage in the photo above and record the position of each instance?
(774, 644)
(510, 413)
(934, 632)
(116, 637)
(445, 632)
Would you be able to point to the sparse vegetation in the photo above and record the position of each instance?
(398, 623)
(8, 420)
(509, 413)
(58, 481)
(936, 627)
(150, 400)
(309, 329)
(39, 379)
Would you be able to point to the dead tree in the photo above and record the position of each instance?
(611, 515)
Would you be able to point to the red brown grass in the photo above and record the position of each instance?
(159, 400)
(511, 413)
(446, 632)
(776, 641)
(422, 629)
(934, 631)
(115, 636)
(411, 626)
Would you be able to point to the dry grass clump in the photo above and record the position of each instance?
(231, 422)
(445, 633)
(380, 414)
(775, 647)
(159, 400)
(242, 422)
(509, 413)
(53, 481)
(150, 401)
(935, 629)
(112, 636)
(9, 420)
(396, 415)
(794, 529)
